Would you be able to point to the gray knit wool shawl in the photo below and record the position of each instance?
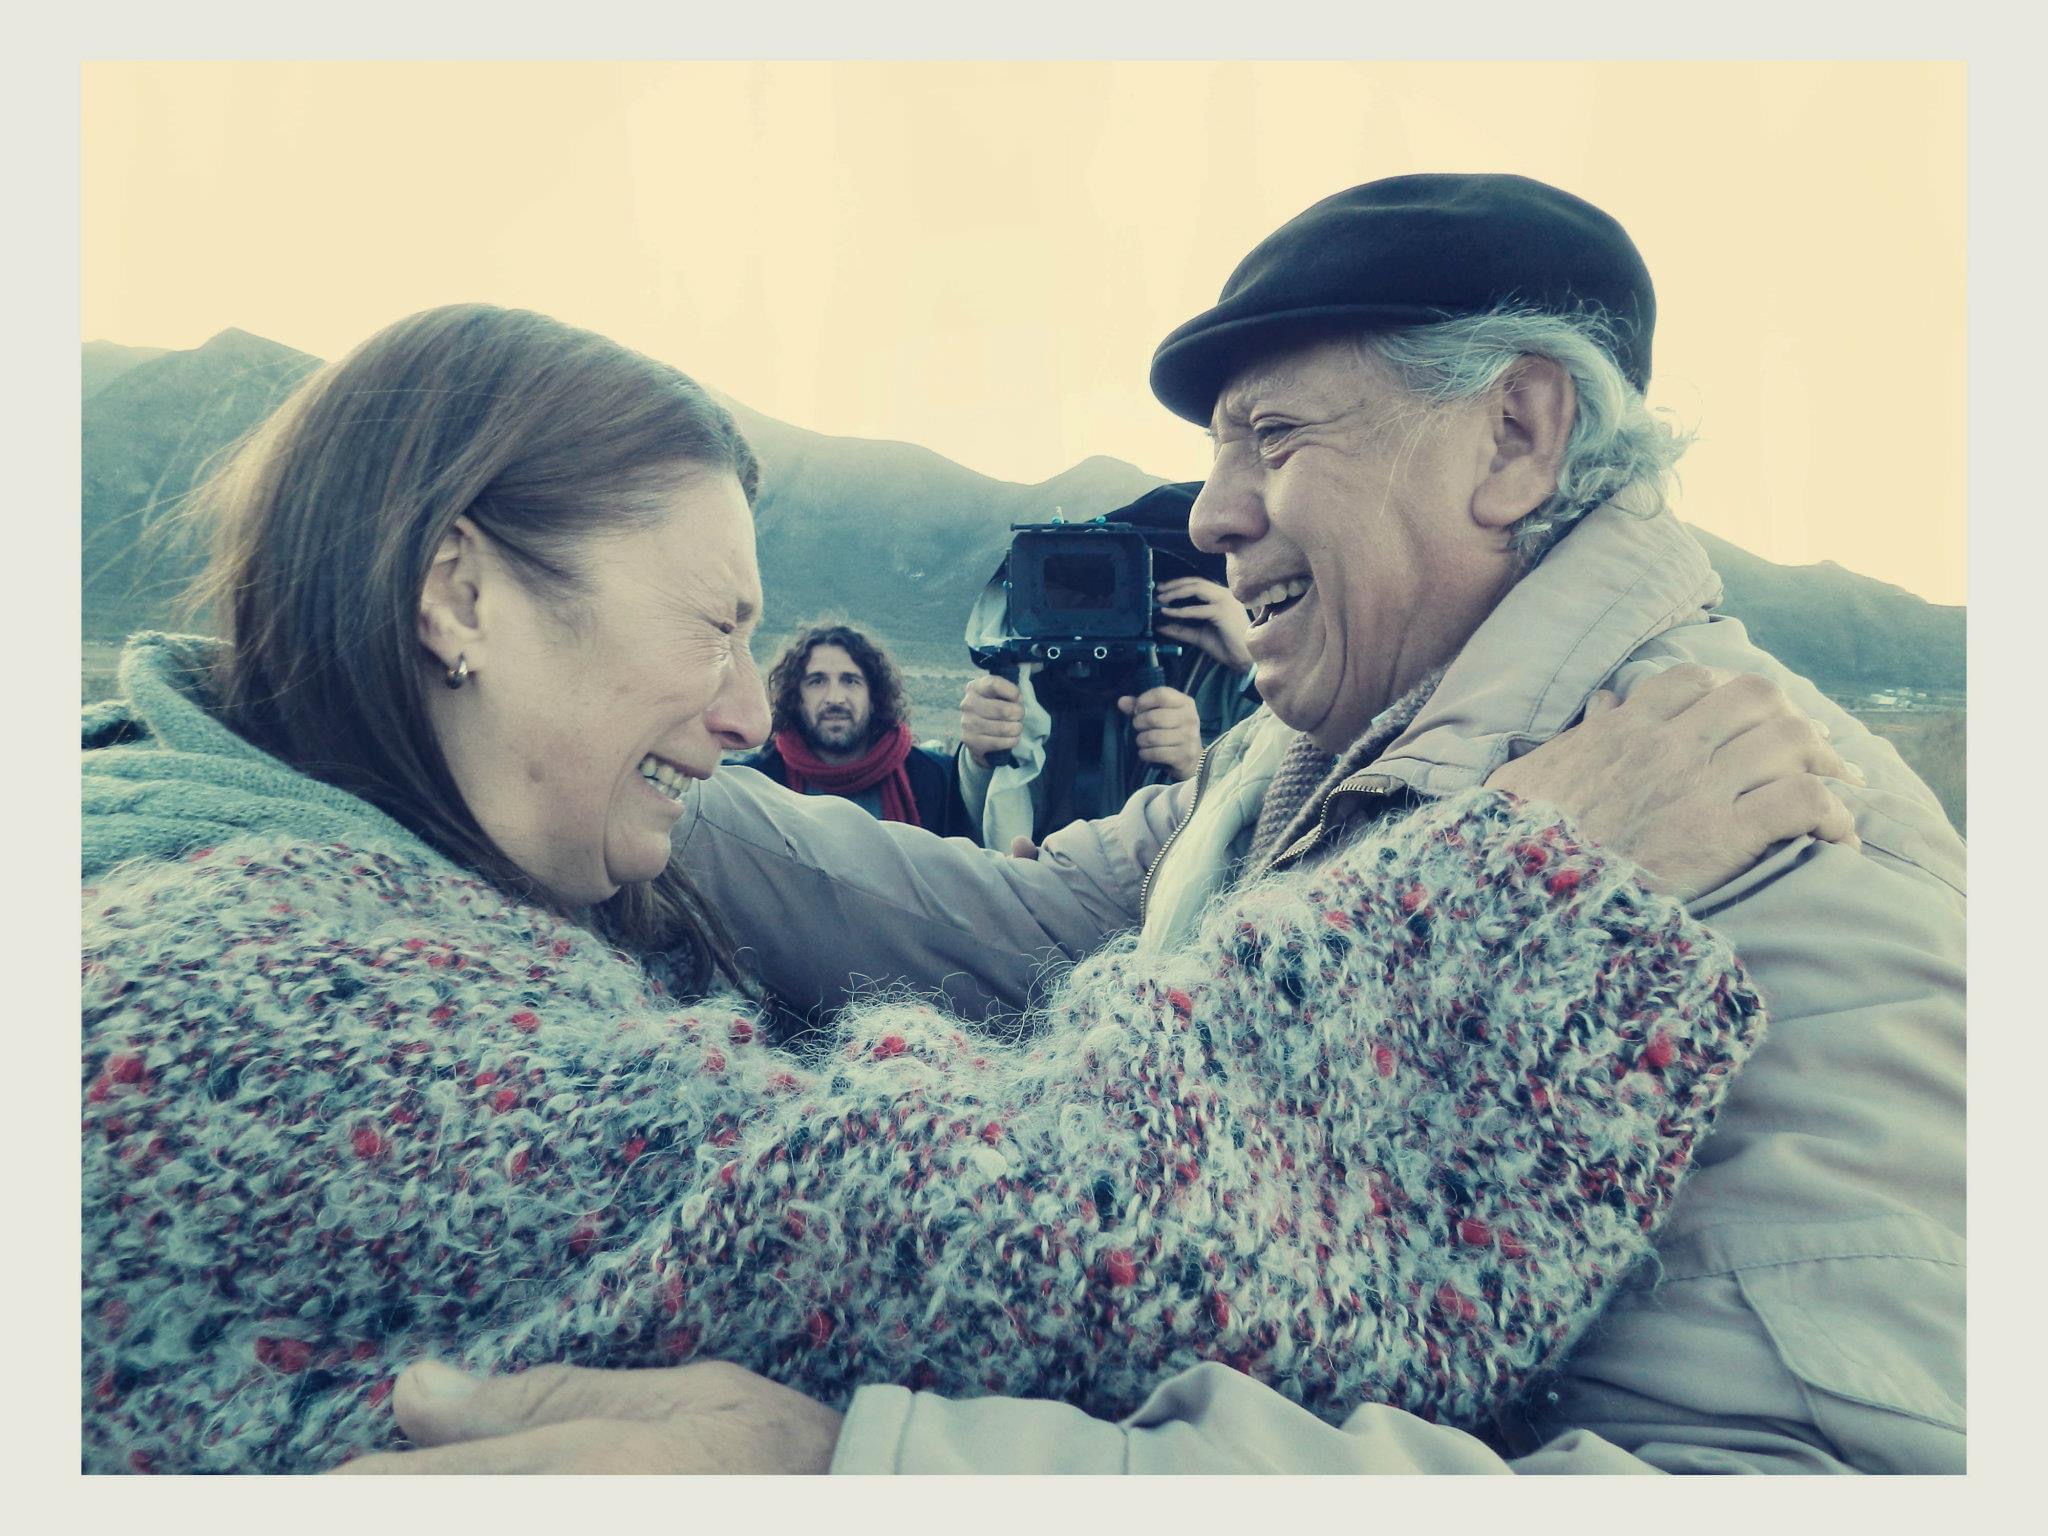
(1390, 1128)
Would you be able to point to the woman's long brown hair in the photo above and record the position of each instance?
(325, 521)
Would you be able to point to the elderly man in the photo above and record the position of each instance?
(1439, 490)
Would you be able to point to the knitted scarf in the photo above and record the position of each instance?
(1308, 775)
(882, 764)
(1389, 1127)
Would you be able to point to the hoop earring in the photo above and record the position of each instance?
(459, 673)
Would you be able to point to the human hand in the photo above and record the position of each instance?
(1693, 778)
(1205, 615)
(703, 1417)
(1169, 730)
(991, 717)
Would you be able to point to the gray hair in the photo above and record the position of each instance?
(1618, 448)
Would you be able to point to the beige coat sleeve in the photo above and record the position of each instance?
(825, 899)
(1206, 1420)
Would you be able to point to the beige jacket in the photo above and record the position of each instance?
(1809, 1313)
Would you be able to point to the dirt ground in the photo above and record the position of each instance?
(1935, 746)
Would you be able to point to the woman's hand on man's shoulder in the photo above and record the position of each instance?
(1692, 778)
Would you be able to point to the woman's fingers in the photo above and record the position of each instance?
(1735, 705)
(1693, 777)
(587, 1446)
(1798, 806)
(1675, 690)
(1752, 732)
(707, 1416)
(1778, 748)
(436, 1404)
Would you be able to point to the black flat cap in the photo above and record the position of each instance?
(1410, 250)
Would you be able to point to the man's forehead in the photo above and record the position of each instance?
(829, 653)
(1327, 374)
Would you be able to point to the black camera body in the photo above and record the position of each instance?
(1079, 584)
(1075, 595)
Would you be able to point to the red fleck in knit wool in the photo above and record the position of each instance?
(408, 1116)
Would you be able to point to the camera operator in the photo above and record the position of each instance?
(1208, 690)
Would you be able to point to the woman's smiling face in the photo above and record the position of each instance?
(585, 718)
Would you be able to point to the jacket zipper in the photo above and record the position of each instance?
(1357, 784)
(1201, 780)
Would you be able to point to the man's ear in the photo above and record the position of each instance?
(1531, 412)
(451, 618)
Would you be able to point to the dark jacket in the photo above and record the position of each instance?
(933, 785)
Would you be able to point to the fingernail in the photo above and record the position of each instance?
(440, 1383)
(1854, 774)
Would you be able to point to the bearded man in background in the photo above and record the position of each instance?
(842, 727)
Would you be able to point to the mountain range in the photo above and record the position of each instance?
(889, 535)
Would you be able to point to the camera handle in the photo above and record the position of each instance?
(1004, 663)
(1006, 669)
(1149, 676)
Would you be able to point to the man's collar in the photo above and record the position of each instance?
(1310, 779)
(1615, 581)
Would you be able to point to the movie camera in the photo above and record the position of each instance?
(1076, 596)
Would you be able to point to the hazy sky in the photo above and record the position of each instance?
(981, 257)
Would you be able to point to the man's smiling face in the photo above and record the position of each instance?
(1344, 506)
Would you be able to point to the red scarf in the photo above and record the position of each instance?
(882, 763)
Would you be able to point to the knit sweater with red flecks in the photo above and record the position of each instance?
(1388, 1129)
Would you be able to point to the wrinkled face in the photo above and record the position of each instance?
(586, 719)
(832, 699)
(1344, 506)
